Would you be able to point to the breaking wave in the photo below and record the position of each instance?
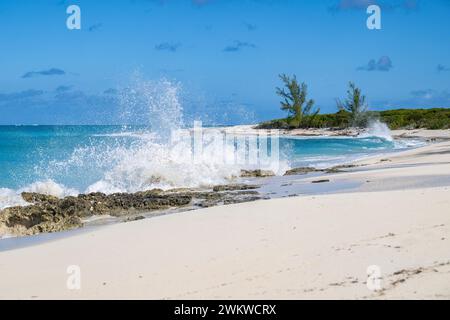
(160, 156)
(377, 129)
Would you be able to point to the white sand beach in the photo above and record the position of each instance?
(303, 247)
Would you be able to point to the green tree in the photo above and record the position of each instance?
(294, 101)
(355, 104)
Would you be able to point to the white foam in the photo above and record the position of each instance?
(378, 129)
(129, 134)
(10, 198)
(168, 165)
(157, 159)
(409, 143)
(49, 187)
(153, 103)
(153, 159)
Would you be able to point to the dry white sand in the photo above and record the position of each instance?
(292, 248)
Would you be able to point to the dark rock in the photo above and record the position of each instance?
(256, 173)
(320, 181)
(334, 170)
(228, 197)
(233, 187)
(41, 217)
(136, 218)
(49, 214)
(240, 200)
(33, 197)
(301, 170)
(346, 166)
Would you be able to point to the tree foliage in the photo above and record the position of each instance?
(438, 118)
(295, 102)
(356, 105)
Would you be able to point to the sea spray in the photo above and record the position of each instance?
(157, 156)
(155, 104)
(9, 198)
(184, 161)
(154, 165)
(376, 128)
(49, 187)
(155, 160)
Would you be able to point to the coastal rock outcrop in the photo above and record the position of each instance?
(233, 187)
(320, 181)
(306, 170)
(50, 214)
(300, 170)
(257, 173)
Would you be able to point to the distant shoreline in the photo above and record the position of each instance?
(426, 134)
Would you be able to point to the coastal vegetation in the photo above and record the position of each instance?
(355, 105)
(433, 119)
(295, 102)
(352, 112)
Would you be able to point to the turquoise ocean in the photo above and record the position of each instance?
(67, 160)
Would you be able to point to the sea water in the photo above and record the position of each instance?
(67, 160)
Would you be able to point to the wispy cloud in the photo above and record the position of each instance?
(164, 2)
(383, 64)
(63, 88)
(170, 70)
(431, 98)
(352, 4)
(95, 27)
(343, 5)
(111, 91)
(14, 96)
(201, 2)
(238, 46)
(48, 72)
(410, 4)
(425, 94)
(421, 98)
(442, 68)
(250, 27)
(59, 106)
(167, 46)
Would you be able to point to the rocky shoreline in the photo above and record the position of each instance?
(50, 214)
(46, 213)
(310, 132)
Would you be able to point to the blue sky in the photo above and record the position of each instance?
(224, 54)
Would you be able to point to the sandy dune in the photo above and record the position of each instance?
(291, 248)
